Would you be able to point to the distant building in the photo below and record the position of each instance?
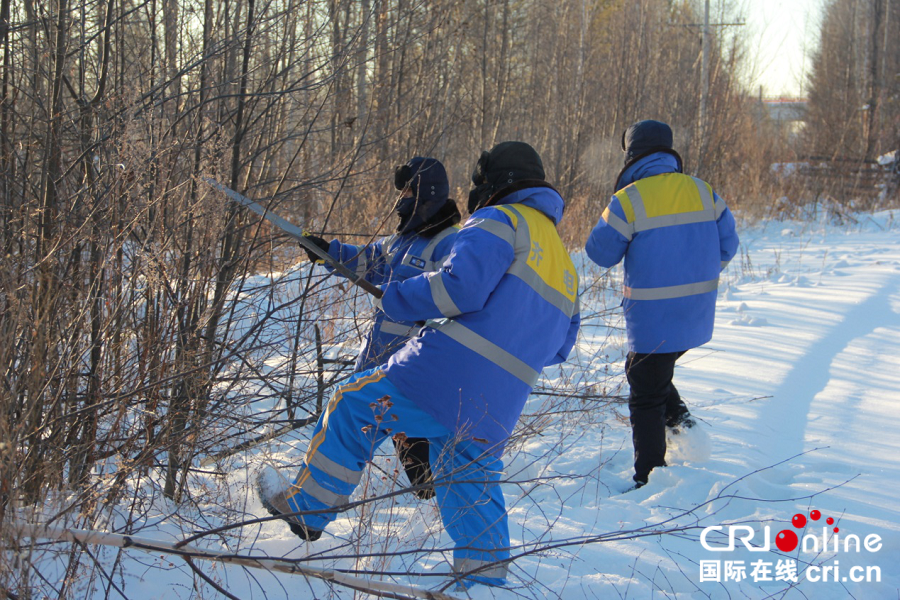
(785, 115)
(786, 110)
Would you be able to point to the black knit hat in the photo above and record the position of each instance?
(645, 137)
(506, 164)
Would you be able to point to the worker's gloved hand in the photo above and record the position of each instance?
(321, 243)
(413, 454)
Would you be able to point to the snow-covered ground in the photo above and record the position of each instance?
(799, 409)
(798, 395)
(798, 398)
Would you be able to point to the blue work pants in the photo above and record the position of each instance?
(363, 413)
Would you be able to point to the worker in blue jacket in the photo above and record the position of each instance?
(421, 243)
(675, 235)
(502, 307)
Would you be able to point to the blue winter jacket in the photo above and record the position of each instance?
(503, 306)
(676, 235)
(394, 258)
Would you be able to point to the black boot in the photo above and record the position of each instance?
(413, 454)
(679, 419)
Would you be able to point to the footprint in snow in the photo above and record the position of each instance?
(748, 321)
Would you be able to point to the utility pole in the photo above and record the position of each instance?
(702, 117)
(704, 72)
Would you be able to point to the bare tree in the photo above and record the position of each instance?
(146, 323)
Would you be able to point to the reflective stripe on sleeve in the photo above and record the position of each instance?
(618, 223)
(433, 244)
(399, 329)
(441, 296)
(480, 568)
(488, 349)
(361, 266)
(329, 467)
(705, 195)
(501, 230)
(720, 207)
(387, 252)
(672, 291)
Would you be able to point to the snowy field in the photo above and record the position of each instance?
(799, 409)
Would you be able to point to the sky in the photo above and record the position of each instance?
(783, 34)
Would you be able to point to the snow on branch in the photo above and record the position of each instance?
(83, 536)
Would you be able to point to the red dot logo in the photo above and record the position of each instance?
(786, 540)
(830, 521)
(815, 515)
(836, 529)
(799, 521)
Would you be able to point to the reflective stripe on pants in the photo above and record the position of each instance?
(466, 477)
